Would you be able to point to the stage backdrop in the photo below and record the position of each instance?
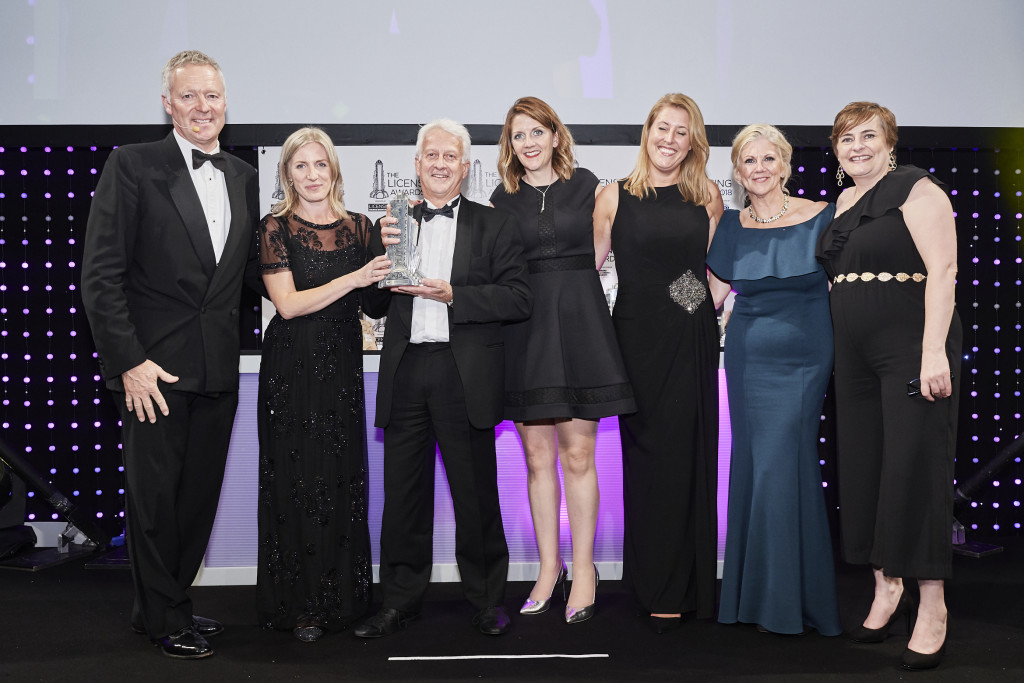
(55, 411)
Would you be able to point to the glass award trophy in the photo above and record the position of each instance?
(404, 256)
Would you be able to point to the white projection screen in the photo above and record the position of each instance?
(788, 62)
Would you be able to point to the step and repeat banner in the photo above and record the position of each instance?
(373, 175)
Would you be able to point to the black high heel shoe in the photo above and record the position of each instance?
(904, 609)
(578, 616)
(541, 606)
(916, 661)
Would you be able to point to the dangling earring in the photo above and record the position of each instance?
(840, 174)
(892, 160)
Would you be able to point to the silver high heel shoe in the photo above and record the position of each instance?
(578, 616)
(541, 606)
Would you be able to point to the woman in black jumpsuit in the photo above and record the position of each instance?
(890, 253)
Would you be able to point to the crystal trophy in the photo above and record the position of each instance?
(404, 256)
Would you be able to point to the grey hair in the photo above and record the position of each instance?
(185, 58)
(448, 126)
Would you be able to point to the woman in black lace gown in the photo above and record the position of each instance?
(659, 221)
(314, 543)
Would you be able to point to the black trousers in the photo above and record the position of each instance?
(173, 471)
(895, 453)
(429, 410)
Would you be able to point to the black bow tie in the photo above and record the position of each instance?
(446, 210)
(218, 160)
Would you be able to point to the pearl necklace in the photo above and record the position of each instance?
(780, 214)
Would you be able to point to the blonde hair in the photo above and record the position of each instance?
(563, 160)
(693, 177)
(772, 135)
(295, 141)
(187, 58)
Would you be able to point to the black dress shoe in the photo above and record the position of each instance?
(185, 644)
(492, 621)
(204, 627)
(207, 627)
(383, 623)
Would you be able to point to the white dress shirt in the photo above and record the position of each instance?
(437, 248)
(212, 189)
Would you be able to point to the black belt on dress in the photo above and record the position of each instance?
(551, 265)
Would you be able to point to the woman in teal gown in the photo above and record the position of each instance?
(778, 359)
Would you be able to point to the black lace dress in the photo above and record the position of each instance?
(314, 540)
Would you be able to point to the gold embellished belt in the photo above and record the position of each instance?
(881, 277)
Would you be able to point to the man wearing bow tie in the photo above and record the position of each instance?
(170, 234)
(441, 383)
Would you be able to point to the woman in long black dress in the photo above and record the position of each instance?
(659, 221)
(314, 542)
(891, 254)
(563, 371)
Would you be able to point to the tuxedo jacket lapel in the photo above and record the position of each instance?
(183, 193)
(240, 232)
(463, 243)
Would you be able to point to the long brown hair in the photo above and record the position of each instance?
(562, 158)
(693, 177)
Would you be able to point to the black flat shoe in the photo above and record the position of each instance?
(308, 634)
(185, 644)
(904, 609)
(383, 623)
(204, 627)
(207, 627)
(665, 624)
(492, 621)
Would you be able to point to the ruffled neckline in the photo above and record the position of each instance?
(739, 253)
(889, 193)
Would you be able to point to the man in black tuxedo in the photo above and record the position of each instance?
(441, 383)
(170, 234)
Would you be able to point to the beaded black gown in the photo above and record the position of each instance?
(314, 539)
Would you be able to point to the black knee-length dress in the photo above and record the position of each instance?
(562, 362)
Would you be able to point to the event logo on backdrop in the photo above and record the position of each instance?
(374, 174)
(387, 184)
